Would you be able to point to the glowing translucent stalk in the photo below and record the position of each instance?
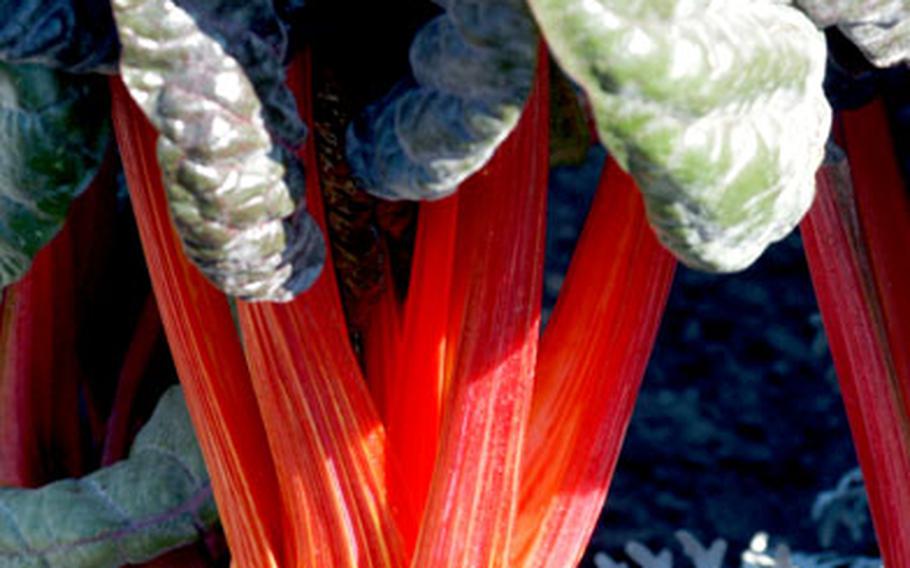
(592, 358)
(416, 389)
(326, 437)
(857, 238)
(208, 356)
(495, 313)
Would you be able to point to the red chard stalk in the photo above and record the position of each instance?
(857, 238)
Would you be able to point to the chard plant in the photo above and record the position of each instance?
(345, 251)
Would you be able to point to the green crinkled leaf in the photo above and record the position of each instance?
(880, 28)
(157, 499)
(473, 70)
(75, 36)
(210, 77)
(714, 106)
(53, 133)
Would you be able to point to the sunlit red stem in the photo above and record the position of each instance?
(39, 372)
(857, 238)
(208, 356)
(592, 358)
(495, 313)
(415, 388)
(327, 439)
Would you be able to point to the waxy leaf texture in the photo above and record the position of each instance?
(473, 70)
(715, 107)
(209, 76)
(78, 37)
(53, 131)
(879, 28)
(157, 499)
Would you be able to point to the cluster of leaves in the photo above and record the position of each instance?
(715, 107)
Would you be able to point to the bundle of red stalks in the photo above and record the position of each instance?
(456, 434)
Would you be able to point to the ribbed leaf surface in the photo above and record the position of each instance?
(78, 37)
(880, 28)
(157, 499)
(209, 76)
(715, 107)
(53, 134)
(473, 67)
